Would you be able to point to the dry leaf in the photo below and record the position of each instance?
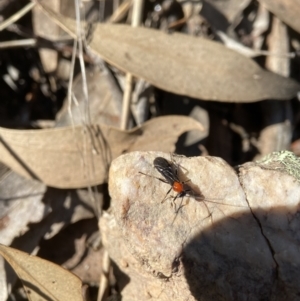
(286, 10)
(43, 280)
(184, 64)
(80, 156)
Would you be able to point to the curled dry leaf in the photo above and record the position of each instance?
(184, 64)
(80, 156)
(43, 280)
(211, 249)
(286, 10)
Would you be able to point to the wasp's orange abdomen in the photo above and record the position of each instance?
(178, 187)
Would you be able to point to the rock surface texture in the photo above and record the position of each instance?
(238, 241)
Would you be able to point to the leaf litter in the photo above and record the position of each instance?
(41, 154)
(176, 62)
(226, 228)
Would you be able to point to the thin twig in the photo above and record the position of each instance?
(136, 20)
(79, 33)
(104, 281)
(18, 43)
(126, 101)
(120, 12)
(70, 85)
(17, 15)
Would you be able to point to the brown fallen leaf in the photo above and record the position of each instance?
(80, 156)
(43, 280)
(183, 64)
(286, 10)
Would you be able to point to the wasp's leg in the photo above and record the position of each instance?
(162, 180)
(166, 195)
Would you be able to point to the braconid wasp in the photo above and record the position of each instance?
(169, 170)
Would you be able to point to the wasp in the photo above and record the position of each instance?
(170, 173)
